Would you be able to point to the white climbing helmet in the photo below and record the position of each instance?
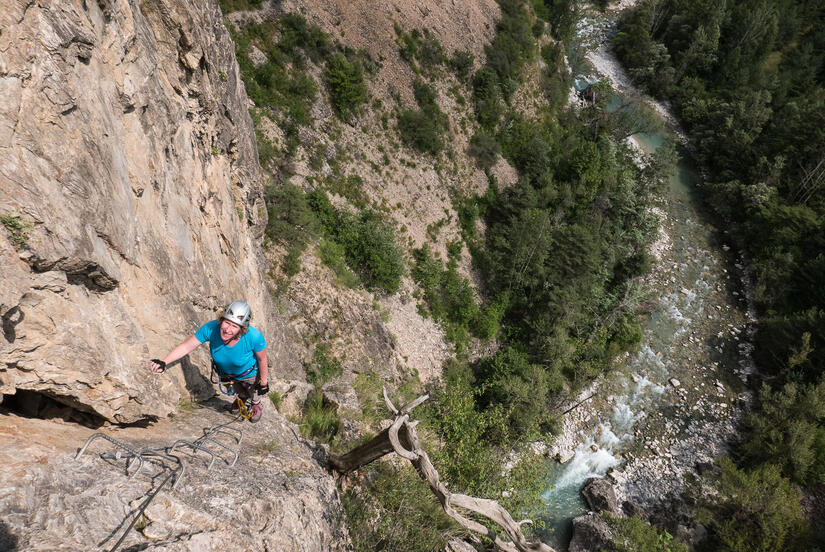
(239, 313)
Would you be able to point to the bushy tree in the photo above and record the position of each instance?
(755, 511)
(345, 80)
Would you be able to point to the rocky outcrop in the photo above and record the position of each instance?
(600, 496)
(128, 156)
(275, 497)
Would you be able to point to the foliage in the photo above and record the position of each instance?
(746, 78)
(367, 386)
(279, 85)
(228, 6)
(475, 442)
(18, 229)
(345, 81)
(354, 246)
(632, 534)
(324, 367)
(755, 510)
(788, 430)
(334, 256)
(520, 389)
(485, 149)
(368, 243)
(462, 63)
(422, 129)
(398, 512)
(276, 399)
(291, 222)
(421, 49)
(319, 419)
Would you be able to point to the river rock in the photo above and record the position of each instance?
(590, 532)
(600, 496)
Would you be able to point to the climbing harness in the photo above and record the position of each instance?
(165, 457)
(220, 379)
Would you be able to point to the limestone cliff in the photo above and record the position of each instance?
(128, 156)
(132, 209)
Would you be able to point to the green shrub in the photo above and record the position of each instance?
(423, 129)
(449, 296)
(345, 81)
(397, 512)
(291, 222)
(350, 187)
(487, 98)
(484, 148)
(754, 511)
(325, 366)
(292, 261)
(371, 250)
(462, 64)
(633, 534)
(319, 419)
(334, 256)
(17, 228)
(421, 47)
(276, 399)
(228, 6)
(420, 131)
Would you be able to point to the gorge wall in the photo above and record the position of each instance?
(129, 163)
(132, 204)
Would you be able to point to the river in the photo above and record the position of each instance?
(673, 405)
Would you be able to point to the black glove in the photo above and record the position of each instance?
(162, 364)
(263, 389)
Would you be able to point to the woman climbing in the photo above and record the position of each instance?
(238, 353)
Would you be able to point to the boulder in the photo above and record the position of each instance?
(600, 496)
(590, 533)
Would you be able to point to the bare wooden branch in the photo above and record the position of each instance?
(407, 408)
(396, 444)
(402, 438)
(389, 402)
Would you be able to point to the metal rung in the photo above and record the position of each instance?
(213, 431)
(196, 447)
(162, 454)
(116, 456)
(233, 451)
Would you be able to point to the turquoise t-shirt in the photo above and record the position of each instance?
(236, 359)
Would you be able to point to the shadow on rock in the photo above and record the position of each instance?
(197, 385)
(8, 540)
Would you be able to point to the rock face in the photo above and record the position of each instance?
(275, 497)
(600, 496)
(128, 158)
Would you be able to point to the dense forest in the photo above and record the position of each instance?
(746, 78)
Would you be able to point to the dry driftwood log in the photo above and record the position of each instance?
(401, 438)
